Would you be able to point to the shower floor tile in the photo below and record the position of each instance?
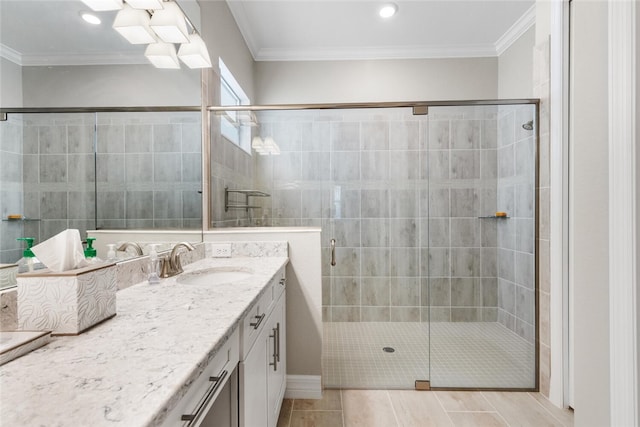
(463, 355)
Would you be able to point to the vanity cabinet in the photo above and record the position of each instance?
(262, 369)
(211, 399)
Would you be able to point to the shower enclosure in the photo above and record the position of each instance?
(96, 169)
(428, 234)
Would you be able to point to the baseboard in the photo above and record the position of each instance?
(304, 387)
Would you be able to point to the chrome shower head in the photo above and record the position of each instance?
(528, 125)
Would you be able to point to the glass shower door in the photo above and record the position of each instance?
(481, 246)
(376, 324)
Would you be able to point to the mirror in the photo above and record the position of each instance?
(87, 170)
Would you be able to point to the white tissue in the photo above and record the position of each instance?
(62, 252)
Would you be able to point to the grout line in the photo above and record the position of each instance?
(393, 409)
(497, 411)
(443, 408)
(545, 409)
(341, 407)
(293, 402)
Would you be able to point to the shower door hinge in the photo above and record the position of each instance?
(420, 110)
(423, 385)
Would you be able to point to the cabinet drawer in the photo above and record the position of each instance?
(255, 319)
(211, 381)
(259, 312)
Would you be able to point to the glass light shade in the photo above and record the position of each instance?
(388, 10)
(133, 25)
(162, 55)
(145, 4)
(170, 24)
(194, 54)
(103, 5)
(256, 143)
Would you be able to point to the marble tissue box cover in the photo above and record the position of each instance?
(66, 303)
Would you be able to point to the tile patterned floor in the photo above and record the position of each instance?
(408, 408)
(463, 355)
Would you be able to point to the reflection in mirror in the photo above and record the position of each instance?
(91, 171)
(146, 171)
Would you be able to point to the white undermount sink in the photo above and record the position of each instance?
(214, 276)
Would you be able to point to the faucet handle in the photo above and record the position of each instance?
(177, 264)
(165, 266)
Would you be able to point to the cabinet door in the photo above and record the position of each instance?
(253, 380)
(277, 372)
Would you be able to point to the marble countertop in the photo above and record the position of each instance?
(132, 369)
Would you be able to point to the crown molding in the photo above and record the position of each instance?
(370, 53)
(10, 54)
(47, 59)
(242, 22)
(122, 58)
(526, 21)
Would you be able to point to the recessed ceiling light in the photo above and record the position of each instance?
(388, 10)
(90, 18)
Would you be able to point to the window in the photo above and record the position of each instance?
(234, 125)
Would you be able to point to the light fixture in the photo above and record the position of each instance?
(258, 145)
(102, 5)
(90, 18)
(145, 4)
(194, 54)
(133, 25)
(388, 10)
(265, 147)
(170, 24)
(162, 55)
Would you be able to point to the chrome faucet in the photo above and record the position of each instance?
(172, 265)
(134, 245)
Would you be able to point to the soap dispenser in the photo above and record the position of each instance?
(154, 265)
(90, 253)
(111, 252)
(28, 262)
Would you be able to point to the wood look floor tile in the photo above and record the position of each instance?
(463, 401)
(477, 419)
(521, 409)
(316, 419)
(331, 401)
(285, 413)
(563, 415)
(418, 409)
(367, 408)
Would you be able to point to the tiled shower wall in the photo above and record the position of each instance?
(402, 197)
(11, 188)
(462, 235)
(231, 166)
(59, 166)
(149, 170)
(516, 235)
(148, 173)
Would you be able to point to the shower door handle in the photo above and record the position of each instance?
(333, 252)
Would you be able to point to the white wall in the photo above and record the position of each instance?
(638, 189)
(589, 264)
(223, 38)
(375, 81)
(10, 84)
(515, 68)
(109, 85)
